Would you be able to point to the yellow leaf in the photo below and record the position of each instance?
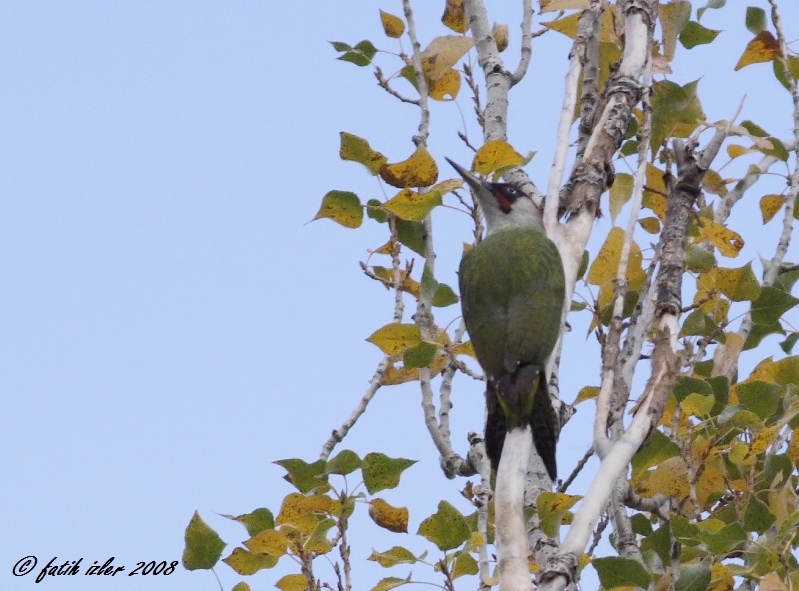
(342, 207)
(710, 482)
(673, 18)
(394, 338)
(762, 440)
(697, 405)
(762, 48)
(734, 150)
(464, 349)
(292, 583)
(793, 447)
(412, 206)
(447, 186)
(391, 518)
(302, 512)
(500, 33)
(270, 541)
(455, 17)
(620, 193)
(720, 578)
(603, 268)
(400, 375)
(419, 170)
(655, 192)
(443, 53)
(770, 205)
(713, 183)
(566, 25)
(553, 5)
(493, 155)
(651, 225)
(447, 85)
(737, 284)
(728, 242)
(739, 455)
(358, 150)
(392, 25)
(586, 393)
(669, 478)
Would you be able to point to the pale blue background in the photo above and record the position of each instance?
(169, 323)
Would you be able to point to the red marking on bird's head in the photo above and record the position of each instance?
(504, 203)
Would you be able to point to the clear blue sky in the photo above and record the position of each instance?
(170, 324)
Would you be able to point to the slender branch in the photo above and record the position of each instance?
(421, 81)
(386, 85)
(339, 434)
(612, 349)
(527, 43)
(577, 469)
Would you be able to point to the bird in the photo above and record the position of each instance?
(512, 289)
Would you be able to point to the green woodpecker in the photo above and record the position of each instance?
(512, 294)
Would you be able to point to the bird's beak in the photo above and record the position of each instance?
(475, 183)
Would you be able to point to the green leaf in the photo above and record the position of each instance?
(446, 528)
(694, 577)
(203, 545)
(684, 531)
(658, 449)
(304, 476)
(248, 563)
(394, 556)
(292, 583)
(257, 521)
(725, 540)
(344, 463)
(759, 397)
(676, 110)
(339, 46)
(421, 355)
(697, 323)
(615, 571)
(464, 565)
(694, 34)
(641, 525)
(771, 305)
(788, 344)
(757, 517)
(412, 234)
(755, 19)
(444, 296)
(698, 259)
(710, 4)
(685, 385)
(754, 129)
(381, 472)
(358, 150)
(659, 542)
(778, 150)
(343, 207)
(761, 331)
(374, 211)
(586, 258)
(360, 55)
(391, 583)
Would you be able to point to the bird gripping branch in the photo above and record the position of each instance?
(512, 294)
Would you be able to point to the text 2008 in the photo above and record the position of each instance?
(151, 568)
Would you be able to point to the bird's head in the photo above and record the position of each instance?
(504, 205)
